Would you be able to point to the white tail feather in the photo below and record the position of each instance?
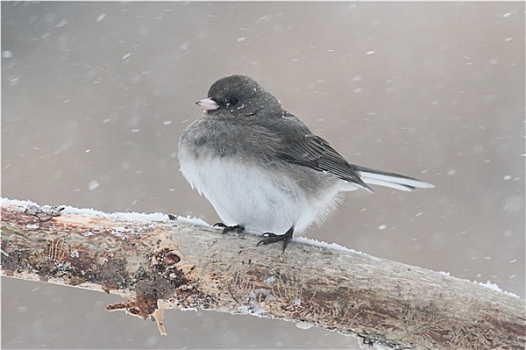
(393, 181)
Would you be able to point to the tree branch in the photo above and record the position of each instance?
(160, 264)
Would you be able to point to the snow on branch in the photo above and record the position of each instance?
(158, 264)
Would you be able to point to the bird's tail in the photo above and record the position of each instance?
(392, 180)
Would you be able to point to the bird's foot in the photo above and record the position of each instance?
(227, 229)
(273, 238)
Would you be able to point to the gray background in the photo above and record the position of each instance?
(95, 96)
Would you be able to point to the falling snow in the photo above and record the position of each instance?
(96, 95)
(93, 184)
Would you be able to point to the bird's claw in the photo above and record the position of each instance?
(227, 229)
(273, 238)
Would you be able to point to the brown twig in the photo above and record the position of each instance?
(166, 264)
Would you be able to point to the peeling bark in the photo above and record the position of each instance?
(160, 265)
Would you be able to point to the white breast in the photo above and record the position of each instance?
(249, 196)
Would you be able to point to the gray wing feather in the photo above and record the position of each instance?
(301, 147)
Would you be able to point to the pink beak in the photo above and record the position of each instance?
(207, 104)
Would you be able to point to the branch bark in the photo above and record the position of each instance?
(160, 264)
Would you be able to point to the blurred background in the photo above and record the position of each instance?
(95, 96)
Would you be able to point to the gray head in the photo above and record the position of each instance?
(238, 95)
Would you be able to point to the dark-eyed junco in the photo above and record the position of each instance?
(262, 168)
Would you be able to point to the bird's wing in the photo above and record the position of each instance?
(300, 146)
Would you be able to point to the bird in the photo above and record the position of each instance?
(261, 167)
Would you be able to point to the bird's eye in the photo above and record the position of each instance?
(232, 101)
